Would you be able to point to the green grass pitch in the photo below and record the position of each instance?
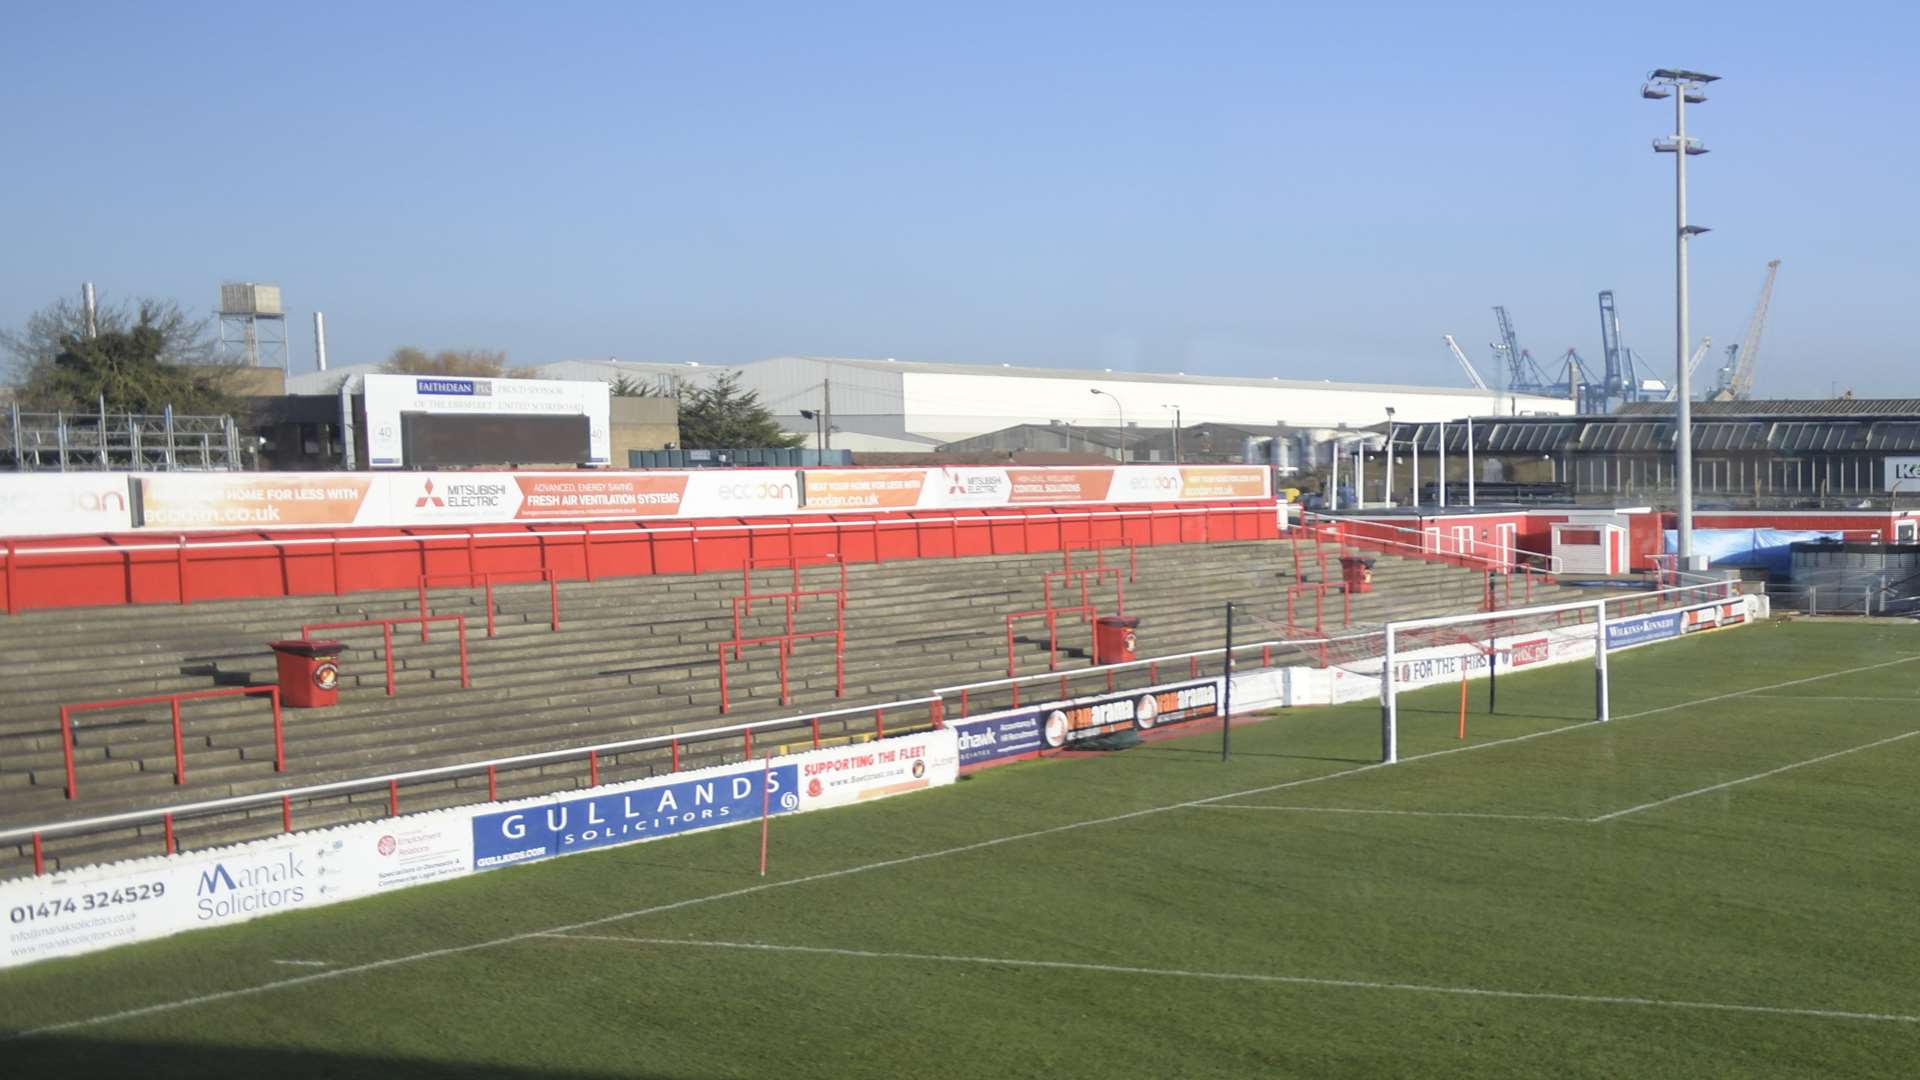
(1722, 882)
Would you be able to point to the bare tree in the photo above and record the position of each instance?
(479, 363)
(182, 341)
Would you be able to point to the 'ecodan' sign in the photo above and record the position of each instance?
(32, 505)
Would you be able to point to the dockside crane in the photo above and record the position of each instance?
(1736, 376)
(1523, 374)
(1466, 365)
(1618, 380)
(1693, 365)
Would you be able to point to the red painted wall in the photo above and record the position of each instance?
(101, 570)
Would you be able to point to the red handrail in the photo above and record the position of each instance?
(386, 637)
(796, 563)
(793, 606)
(1080, 575)
(786, 643)
(486, 577)
(179, 746)
(1100, 549)
(1086, 612)
(392, 781)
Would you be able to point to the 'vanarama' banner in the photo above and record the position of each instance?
(174, 501)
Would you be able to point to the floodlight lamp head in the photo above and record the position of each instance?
(1694, 95)
(1680, 75)
(1694, 230)
(1654, 92)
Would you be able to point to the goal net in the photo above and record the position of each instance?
(1441, 650)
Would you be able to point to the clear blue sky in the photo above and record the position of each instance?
(1252, 189)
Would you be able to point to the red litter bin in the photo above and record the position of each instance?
(1113, 640)
(1357, 573)
(309, 672)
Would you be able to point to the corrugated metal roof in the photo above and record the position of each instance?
(1626, 438)
(1799, 435)
(1811, 409)
(1893, 436)
(1723, 436)
(1529, 437)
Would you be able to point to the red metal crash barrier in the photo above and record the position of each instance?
(386, 638)
(88, 570)
(1087, 614)
(786, 642)
(795, 564)
(807, 726)
(1070, 576)
(272, 693)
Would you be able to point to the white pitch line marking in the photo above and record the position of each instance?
(1912, 700)
(1769, 686)
(305, 963)
(1390, 813)
(1233, 976)
(455, 950)
(1756, 776)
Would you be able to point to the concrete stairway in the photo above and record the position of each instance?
(634, 657)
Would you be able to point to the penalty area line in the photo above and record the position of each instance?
(1756, 776)
(1253, 977)
(1390, 813)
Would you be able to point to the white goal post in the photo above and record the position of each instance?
(1430, 648)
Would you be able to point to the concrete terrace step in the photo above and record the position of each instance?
(634, 656)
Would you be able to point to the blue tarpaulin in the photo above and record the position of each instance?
(1735, 549)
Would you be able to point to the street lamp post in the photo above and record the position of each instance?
(1683, 87)
(1176, 431)
(1122, 414)
(1386, 490)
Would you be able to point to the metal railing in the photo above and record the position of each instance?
(491, 768)
(1360, 532)
(1311, 649)
(179, 746)
(386, 637)
(100, 441)
(1088, 614)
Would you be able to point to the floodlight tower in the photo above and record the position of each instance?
(1684, 87)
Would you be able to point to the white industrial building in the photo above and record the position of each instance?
(907, 405)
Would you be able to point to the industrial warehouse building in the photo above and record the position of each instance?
(897, 405)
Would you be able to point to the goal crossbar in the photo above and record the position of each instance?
(1508, 623)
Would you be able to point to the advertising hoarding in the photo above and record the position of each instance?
(1903, 473)
(625, 813)
(90, 908)
(862, 772)
(1056, 725)
(170, 501)
(1640, 629)
(54, 505)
